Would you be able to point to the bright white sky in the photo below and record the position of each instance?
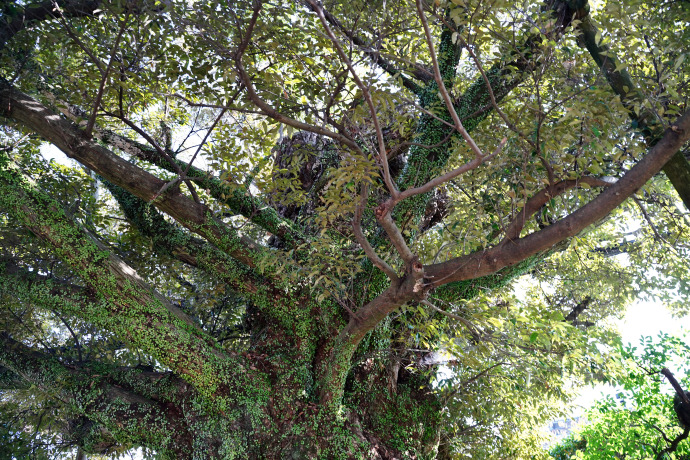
(641, 319)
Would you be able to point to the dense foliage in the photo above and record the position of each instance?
(639, 422)
(363, 229)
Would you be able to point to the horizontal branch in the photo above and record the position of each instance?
(95, 397)
(491, 260)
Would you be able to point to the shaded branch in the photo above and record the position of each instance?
(69, 138)
(384, 218)
(578, 309)
(676, 386)
(678, 168)
(175, 242)
(95, 397)
(126, 306)
(16, 18)
(382, 157)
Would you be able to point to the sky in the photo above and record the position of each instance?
(643, 318)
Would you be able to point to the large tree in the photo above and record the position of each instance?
(282, 216)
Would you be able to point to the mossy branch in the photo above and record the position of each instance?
(127, 416)
(126, 305)
(645, 119)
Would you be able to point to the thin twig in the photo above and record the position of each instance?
(74, 336)
(441, 85)
(383, 160)
(469, 166)
(265, 108)
(104, 78)
(376, 55)
(203, 141)
(466, 323)
(164, 154)
(362, 240)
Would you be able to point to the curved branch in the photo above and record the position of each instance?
(541, 198)
(442, 86)
(676, 386)
(491, 260)
(269, 111)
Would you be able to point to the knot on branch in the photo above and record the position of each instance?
(381, 211)
(414, 271)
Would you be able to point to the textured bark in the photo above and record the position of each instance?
(677, 169)
(304, 385)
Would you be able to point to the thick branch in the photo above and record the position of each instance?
(475, 104)
(577, 310)
(69, 138)
(235, 198)
(175, 242)
(383, 217)
(541, 198)
(127, 306)
(91, 394)
(677, 169)
(362, 239)
(676, 386)
(491, 260)
(332, 374)
(16, 18)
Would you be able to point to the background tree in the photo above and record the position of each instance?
(640, 421)
(375, 177)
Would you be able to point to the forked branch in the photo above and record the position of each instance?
(381, 156)
(541, 198)
(362, 239)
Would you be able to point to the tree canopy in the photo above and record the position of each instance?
(639, 421)
(363, 229)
